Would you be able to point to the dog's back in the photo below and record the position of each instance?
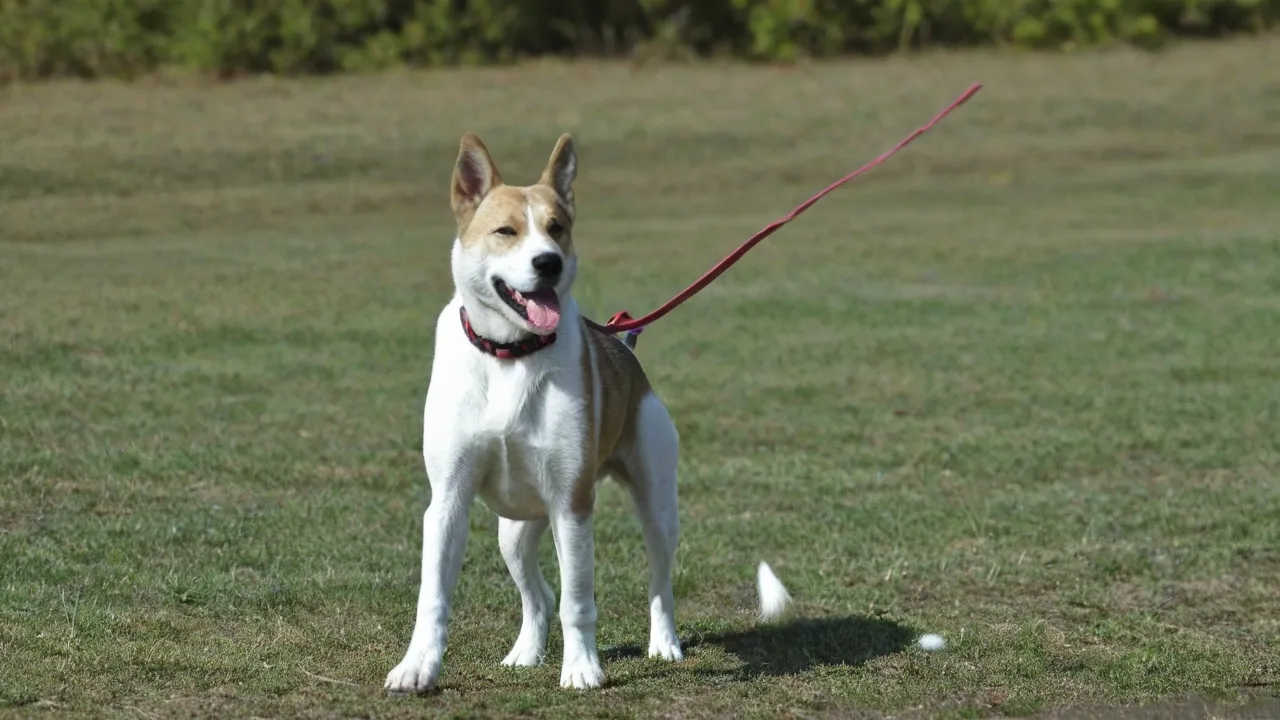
(620, 383)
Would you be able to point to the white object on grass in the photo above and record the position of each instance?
(773, 595)
(932, 641)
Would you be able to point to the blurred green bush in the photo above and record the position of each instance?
(89, 38)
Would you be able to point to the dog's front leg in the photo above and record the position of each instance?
(444, 537)
(575, 549)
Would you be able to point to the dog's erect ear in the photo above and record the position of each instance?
(562, 168)
(474, 176)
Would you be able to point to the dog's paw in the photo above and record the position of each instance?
(527, 652)
(583, 674)
(665, 648)
(412, 678)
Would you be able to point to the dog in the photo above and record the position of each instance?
(529, 406)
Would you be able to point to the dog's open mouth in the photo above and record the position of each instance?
(540, 307)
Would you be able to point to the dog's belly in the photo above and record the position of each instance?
(514, 486)
(513, 501)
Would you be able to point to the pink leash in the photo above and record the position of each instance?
(623, 322)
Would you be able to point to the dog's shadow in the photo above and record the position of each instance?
(799, 645)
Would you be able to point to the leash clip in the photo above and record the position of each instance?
(631, 337)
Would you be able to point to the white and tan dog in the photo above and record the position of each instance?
(528, 407)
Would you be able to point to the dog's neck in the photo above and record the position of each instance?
(494, 325)
(503, 351)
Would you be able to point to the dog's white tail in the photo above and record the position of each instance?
(774, 597)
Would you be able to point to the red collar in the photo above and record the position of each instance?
(504, 351)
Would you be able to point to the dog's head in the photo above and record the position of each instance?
(514, 253)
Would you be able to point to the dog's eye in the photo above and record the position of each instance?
(554, 229)
(506, 230)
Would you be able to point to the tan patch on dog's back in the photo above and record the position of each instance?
(622, 386)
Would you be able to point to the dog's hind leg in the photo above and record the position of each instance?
(519, 542)
(650, 466)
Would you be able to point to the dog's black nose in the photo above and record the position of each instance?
(548, 265)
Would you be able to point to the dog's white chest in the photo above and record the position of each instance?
(526, 426)
(509, 402)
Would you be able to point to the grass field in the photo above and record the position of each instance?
(1021, 386)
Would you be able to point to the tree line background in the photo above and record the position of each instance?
(122, 38)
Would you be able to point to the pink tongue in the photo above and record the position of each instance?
(543, 309)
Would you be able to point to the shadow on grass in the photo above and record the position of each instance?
(796, 646)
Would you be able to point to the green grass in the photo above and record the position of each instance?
(1021, 386)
